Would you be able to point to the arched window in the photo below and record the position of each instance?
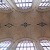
(3, 5)
(25, 45)
(45, 44)
(44, 4)
(4, 45)
(24, 4)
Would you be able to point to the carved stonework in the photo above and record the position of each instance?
(9, 25)
(25, 24)
(42, 24)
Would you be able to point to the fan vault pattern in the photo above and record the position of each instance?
(32, 28)
(23, 25)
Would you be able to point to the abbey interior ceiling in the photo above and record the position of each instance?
(34, 24)
(17, 25)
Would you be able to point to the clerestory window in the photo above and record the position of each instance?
(3, 5)
(44, 3)
(25, 45)
(4, 45)
(45, 44)
(23, 4)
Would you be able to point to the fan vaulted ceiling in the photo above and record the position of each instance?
(29, 21)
